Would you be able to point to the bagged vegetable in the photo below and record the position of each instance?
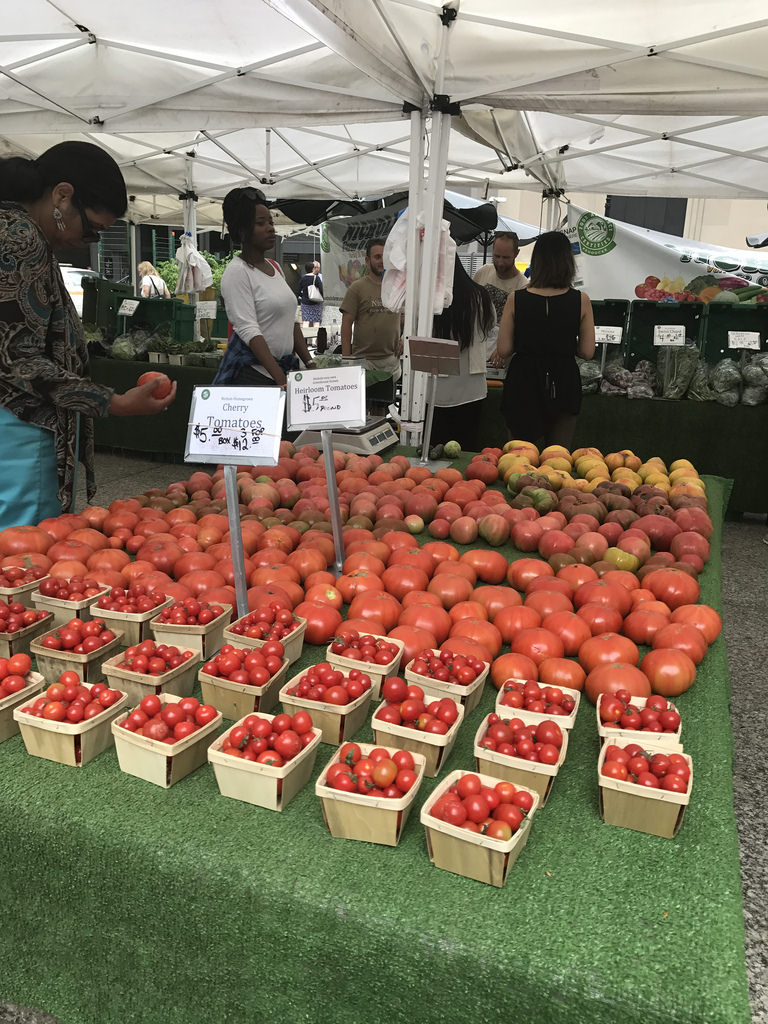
(617, 374)
(677, 367)
(725, 375)
(606, 388)
(754, 395)
(590, 374)
(755, 370)
(640, 390)
(699, 389)
(729, 397)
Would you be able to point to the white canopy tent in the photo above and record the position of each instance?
(307, 98)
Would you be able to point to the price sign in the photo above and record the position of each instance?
(205, 310)
(235, 425)
(669, 334)
(128, 307)
(608, 335)
(744, 339)
(326, 399)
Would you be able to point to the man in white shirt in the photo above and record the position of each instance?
(503, 273)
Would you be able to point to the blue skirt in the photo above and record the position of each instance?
(312, 312)
(28, 474)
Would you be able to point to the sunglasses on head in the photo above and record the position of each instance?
(254, 194)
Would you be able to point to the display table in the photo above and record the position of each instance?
(720, 441)
(126, 902)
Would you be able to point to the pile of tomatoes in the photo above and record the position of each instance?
(617, 711)
(267, 740)
(406, 705)
(496, 812)
(15, 616)
(374, 650)
(76, 588)
(269, 623)
(540, 743)
(190, 612)
(69, 700)
(79, 637)
(528, 695)
(132, 599)
(381, 773)
(12, 576)
(632, 763)
(323, 682)
(153, 659)
(13, 674)
(250, 666)
(447, 666)
(171, 722)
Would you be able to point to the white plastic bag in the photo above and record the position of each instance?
(395, 250)
(195, 275)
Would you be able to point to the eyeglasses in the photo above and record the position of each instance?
(90, 233)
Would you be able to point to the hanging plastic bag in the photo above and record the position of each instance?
(195, 274)
(393, 283)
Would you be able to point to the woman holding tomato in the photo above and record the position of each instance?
(63, 199)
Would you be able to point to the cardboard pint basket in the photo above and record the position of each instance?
(378, 673)
(367, 818)
(234, 700)
(133, 625)
(619, 735)
(163, 764)
(63, 611)
(469, 695)
(293, 643)
(262, 784)
(337, 722)
(23, 593)
(433, 747)
(88, 666)
(70, 743)
(205, 640)
(654, 811)
(19, 642)
(8, 724)
(539, 778)
(506, 711)
(470, 853)
(179, 681)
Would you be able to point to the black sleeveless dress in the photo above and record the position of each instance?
(542, 381)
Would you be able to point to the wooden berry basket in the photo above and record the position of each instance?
(433, 747)
(135, 626)
(262, 784)
(179, 681)
(293, 643)
(539, 778)
(366, 818)
(234, 700)
(88, 666)
(336, 722)
(19, 642)
(22, 593)
(8, 724)
(469, 696)
(70, 743)
(205, 640)
(618, 735)
(161, 763)
(378, 673)
(654, 811)
(534, 717)
(470, 853)
(63, 611)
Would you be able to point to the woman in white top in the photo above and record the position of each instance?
(151, 285)
(260, 305)
(470, 319)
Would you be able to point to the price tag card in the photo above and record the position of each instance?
(235, 425)
(744, 339)
(128, 307)
(205, 310)
(326, 399)
(608, 335)
(669, 334)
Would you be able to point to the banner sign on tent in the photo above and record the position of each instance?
(343, 241)
(621, 261)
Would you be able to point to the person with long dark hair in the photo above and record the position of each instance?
(63, 199)
(469, 319)
(543, 329)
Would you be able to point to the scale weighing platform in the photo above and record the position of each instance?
(377, 434)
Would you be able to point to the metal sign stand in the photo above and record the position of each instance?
(333, 500)
(236, 539)
(435, 356)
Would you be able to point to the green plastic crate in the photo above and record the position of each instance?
(645, 314)
(101, 301)
(154, 313)
(722, 317)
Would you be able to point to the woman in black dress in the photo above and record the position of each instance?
(543, 328)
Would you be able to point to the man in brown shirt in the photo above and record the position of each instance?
(503, 273)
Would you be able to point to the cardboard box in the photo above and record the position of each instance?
(70, 743)
(205, 640)
(336, 722)
(88, 666)
(539, 778)
(293, 643)
(179, 681)
(8, 724)
(469, 696)
(378, 673)
(234, 700)
(654, 811)
(433, 747)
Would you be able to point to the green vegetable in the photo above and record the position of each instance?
(436, 452)
(452, 449)
(123, 348)
(749, 293)
(698, 284)
(725, 297)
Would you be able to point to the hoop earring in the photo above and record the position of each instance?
(58, 219)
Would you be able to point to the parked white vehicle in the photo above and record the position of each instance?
(73, 279)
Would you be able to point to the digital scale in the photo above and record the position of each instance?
(377, 434)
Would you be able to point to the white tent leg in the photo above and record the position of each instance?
(415, 202)
(133, 255)
(551, 211)
(190, 228)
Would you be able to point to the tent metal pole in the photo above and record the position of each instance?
(415, 202)
(190, 228)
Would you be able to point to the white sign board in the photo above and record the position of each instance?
(744, 339)
(608, 335)
(128, 307)
(235, 425)
(669, 334)
(205, 310)
(326, 399)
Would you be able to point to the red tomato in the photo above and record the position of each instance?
(670, 672)
(613, 677)
(672, 586)
(704, 618)
(537, 644)
(606, 649)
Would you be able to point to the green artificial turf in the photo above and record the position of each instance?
(124, 902)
